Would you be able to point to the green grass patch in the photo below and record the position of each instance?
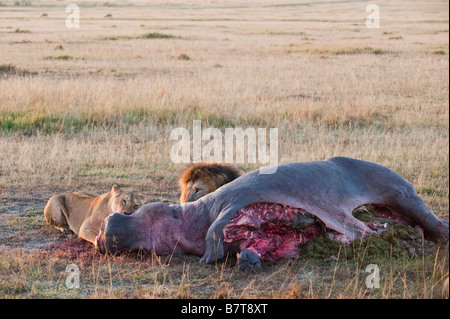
(430, 191)
(439, 52)
(30, 122)
(157, 35)
(19, 30)
(118, 37)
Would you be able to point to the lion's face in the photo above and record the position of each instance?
(125, 201)
(201, 179)
(194, 190)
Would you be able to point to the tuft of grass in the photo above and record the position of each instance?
(151, 35)
(59, 57)
(7, 69)
(11, 70)
(157, 35)
(184, 57)
(118, 37)
(366, 50)
(429, 190)
(19, 30)
(345, 51)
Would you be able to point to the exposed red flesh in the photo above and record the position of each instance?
(388, 212)
(99, 243)
(270, 230)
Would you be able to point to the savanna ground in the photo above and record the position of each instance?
(83, 109)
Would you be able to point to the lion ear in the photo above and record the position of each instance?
(116, 189)
(141, 198)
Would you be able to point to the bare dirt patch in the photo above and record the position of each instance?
(23, 225)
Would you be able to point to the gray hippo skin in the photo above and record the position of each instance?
(330, 190)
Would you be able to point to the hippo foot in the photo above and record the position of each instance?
(214, 251)
(210, 257)
(205, 259)
(249, 260)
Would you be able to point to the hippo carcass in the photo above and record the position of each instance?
(325, 191)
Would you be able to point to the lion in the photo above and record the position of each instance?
(203, 178)
(83, 212)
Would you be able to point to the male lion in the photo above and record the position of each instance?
(201, 179)
(83, 212)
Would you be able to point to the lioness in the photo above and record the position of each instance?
(201, 179)
(83, 212)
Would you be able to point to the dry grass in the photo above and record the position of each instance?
(86, 108)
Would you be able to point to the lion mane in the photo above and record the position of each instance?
(210, 175)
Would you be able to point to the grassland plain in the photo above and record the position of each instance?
(82, 109)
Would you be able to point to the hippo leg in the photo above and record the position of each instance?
(214, 236)
(413, 207)
(249, 260)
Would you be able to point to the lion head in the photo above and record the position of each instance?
(125, 201)
(201, 179)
